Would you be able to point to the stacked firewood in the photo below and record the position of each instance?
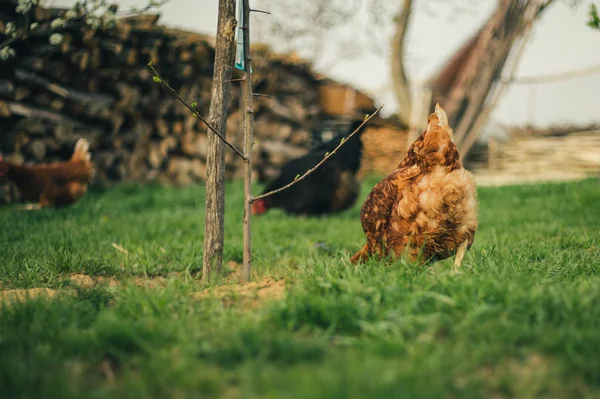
(97, 84)
(573, 149)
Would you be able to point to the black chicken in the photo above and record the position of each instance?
(331, 188)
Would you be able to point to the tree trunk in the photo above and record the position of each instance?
(399, 79)
(217, 117)
(466, 98)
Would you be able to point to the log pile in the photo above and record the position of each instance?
(574, 150)
(384, 147)
(97, 84)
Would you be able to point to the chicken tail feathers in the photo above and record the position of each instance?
(82, 151)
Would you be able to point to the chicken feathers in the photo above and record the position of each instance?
(54, 184)
(427, 208)
(330, 189)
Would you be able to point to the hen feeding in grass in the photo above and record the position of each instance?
(427, 208)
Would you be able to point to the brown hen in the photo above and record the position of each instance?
(427, 208)
(54, 184)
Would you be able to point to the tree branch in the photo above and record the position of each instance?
(188, 106)
(558, 77)
(400, 82)
(317, 166)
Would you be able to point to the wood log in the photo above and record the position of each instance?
(80, 59)
(121, 31)
(36, 149)
(143, 130)
(167, 145)
(4, 110)
(301, 138)
(279, 152)
(65, 45)
(35, 112)
(161, 127)
(117, 121)
(95, 58)
(32, 126)
(57, 104)
(144, 22)
(31, 63)
(22, 92)
(7, 89)
(129, 96)
(53, 146)
(194, 145)
(63, 131)
(114, 47)
(177, 128)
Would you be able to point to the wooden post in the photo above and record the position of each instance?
(248, 142)
(215, 160)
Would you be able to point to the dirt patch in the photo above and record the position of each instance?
(86, 281)
(20, 295)
(234, 272)
(250, 294)
(149, 282)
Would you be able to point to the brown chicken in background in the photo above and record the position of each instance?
(427, 208)
(54, 184)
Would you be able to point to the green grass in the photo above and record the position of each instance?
(521, 320)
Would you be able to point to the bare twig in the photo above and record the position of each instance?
(260, 11)
(188, 106)
(262, 95)
(558, 77)
(317, 166)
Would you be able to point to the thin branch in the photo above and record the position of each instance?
(317, 166)
(196, 112)
(555, 77)
(260, 11)
(262, 95)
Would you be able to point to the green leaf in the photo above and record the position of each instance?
(343, 139)
(327, 153)
(194, 104)
(297, 177)
(366, 116)
(150, 63)
(156, 79)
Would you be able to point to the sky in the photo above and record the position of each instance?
(560, 42)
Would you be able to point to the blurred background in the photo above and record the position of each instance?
(519, 79)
